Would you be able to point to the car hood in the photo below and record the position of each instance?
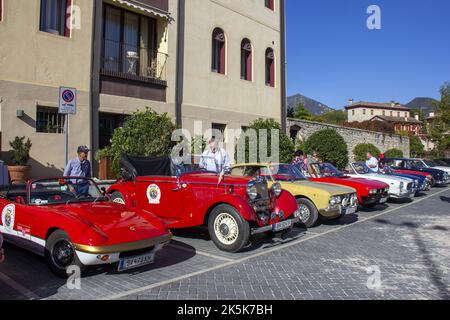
(115, 221)
(383, 178)
(333, 189)
(409, 176)
(358, 183)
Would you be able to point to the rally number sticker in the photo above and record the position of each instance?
(154, 194)
(8, 217)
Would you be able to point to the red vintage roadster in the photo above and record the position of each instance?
(184, 196)
(72, 223)
(370, 192)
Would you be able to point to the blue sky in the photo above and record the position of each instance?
(332, 55)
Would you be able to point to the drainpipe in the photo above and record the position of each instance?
(96, 50)
(180, 62)
(283, 65)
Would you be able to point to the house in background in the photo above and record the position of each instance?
(393, 113)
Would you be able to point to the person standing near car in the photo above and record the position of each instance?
(300, 161)
(215, 159)
(80, 167)
(372, 163)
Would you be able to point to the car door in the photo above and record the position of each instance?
(17, 223)
(163, 196)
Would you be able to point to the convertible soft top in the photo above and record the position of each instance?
(147, 166)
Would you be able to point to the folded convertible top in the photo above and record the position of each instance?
(147, 166)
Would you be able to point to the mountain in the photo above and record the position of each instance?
(315, 107)
(424, 104)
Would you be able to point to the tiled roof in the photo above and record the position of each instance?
(376, 105)
(397, 119)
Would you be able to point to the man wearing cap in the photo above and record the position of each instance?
(80, 167)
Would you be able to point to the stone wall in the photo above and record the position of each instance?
(304, 129)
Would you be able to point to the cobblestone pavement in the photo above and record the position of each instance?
(399, 251)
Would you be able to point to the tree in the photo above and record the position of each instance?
(330, 147)
(439, 130)
(416, 147)
(301, 113)
(145, 133)
(362, 149)
(394, 153)
(377, 126)
(336, 117)
(290, 112)
(286, 146)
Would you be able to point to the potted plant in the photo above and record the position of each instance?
(19, 172)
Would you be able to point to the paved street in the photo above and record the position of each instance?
(404, 245)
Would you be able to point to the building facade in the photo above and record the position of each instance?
(217, 64)
(394, 113)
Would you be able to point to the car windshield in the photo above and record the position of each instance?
(323, 170)
(286, 172)
(281, 173)
(430, 163)
(195, 164)
(415, 164)
(361, 168)
(64, 190)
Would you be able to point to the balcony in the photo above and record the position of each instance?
(130, 62)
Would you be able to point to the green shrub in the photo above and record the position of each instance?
(20, 151)
(145, 133)
(330, 147)
(286, 145)
(361, 150)
(394, 153)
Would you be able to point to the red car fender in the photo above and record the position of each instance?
(236, 201)
(287, 203)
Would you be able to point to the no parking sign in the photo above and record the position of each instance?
(67, 100)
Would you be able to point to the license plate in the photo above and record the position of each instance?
(383, 200)
(280, 226)
(350, 211)
(135, 262)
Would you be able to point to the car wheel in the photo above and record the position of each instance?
(228, 229)
(117, 197)
(308, 212)
(60, 254)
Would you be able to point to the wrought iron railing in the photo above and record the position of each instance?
(133, 62)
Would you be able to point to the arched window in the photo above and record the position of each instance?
(246, 60)
(270, 67)
(218, 51)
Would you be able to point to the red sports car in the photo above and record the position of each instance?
(185, 196)
(370, 192)
(72, 223)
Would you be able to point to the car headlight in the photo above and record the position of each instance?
(333, 201)
(354, 199)
(373, 191)
(252, 192)
(276, 189)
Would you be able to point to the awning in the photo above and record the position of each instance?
(137, 5)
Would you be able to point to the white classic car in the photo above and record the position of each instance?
(399, 188)
(421, 163)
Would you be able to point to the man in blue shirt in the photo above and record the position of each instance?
(80, 167)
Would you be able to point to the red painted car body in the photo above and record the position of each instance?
(99, 231)
(187, 198)
(369, 192)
